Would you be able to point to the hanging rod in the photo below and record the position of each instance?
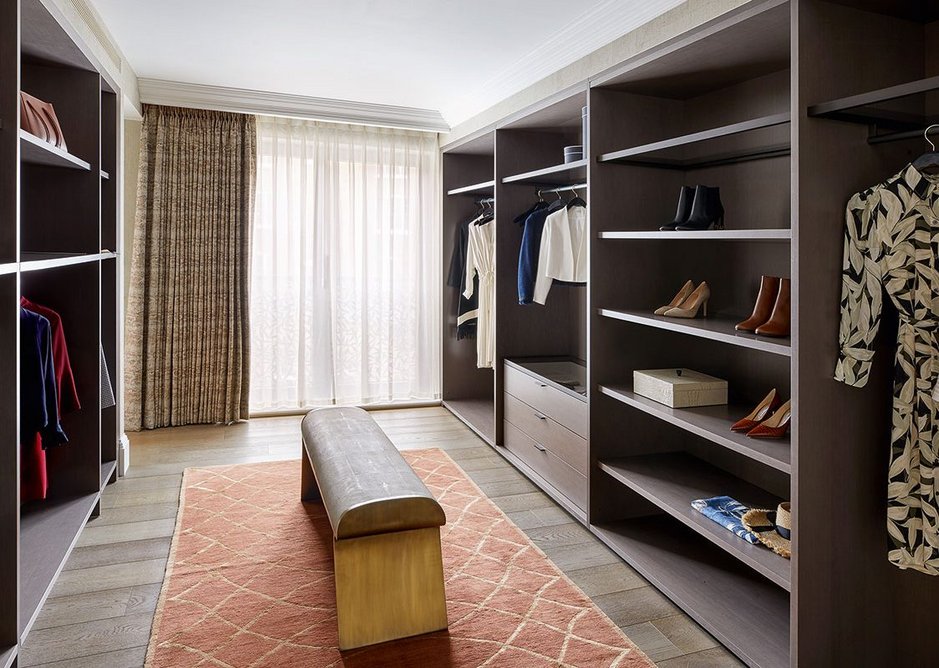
(486, 200)
(560, 189)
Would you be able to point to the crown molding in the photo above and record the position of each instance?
(574, 39)
(245, 101)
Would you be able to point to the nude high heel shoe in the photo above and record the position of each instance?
(682, 295)
(776, 426)
(689, 307)
(766, 407)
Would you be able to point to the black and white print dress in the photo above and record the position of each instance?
(891, 244)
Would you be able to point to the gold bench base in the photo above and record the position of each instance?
(389, 586)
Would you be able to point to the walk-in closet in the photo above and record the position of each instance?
(789, 109)
(58, 251)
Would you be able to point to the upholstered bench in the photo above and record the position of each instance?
(386, 529)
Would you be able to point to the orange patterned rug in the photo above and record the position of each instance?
(250, 584)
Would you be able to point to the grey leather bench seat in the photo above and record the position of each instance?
(386, 528)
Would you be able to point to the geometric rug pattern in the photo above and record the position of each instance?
(250, 584)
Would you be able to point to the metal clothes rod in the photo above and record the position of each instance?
(486, 200)
(560, 189)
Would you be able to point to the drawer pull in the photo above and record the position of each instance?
(540, 416)
(541, 384)
(539, 447)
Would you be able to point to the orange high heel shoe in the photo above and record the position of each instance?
(776, 426)
(766, 407)
(682, 295)
(689, 307)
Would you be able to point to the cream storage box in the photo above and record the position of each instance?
(680, 388)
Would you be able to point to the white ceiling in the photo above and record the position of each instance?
(457, 57)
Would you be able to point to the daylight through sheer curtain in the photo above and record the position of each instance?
(345, 266)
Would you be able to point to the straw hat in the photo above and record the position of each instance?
(773, 528)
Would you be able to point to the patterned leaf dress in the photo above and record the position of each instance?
(891, 244)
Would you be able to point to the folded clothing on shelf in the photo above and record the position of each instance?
(728, 513)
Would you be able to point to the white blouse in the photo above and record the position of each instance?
(563, 253)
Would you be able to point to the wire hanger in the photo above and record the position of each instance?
(929, 161)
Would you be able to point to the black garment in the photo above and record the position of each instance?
(530, 247)
(467, 312)
(39, 406)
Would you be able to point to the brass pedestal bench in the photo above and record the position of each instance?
(386, 529)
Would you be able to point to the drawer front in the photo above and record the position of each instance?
(566, 480)
(561, 441)
(560, 407)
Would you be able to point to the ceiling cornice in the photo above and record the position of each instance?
(575, 37)
(245, 101)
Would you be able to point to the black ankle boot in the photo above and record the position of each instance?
(707, 212)
(685, 199)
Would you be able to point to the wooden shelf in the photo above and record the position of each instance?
(563, 174)
(35, 151)
(8, 268)
(711, 423)
(715, 328)
(484, 188)
(34, 261)
(478, 414)
(107, 468)
(7, 656)
(104, 175)
(672, 481)
(709, 235)
(862, 108)
(645, 154)
(743, 610)
(48, 532)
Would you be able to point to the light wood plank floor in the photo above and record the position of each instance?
(101, 609)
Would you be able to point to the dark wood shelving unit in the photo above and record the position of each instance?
(36, 151)
(47, 536)
(484, 188)
(714, 327)
(790, 67)
(477, 414)
(743, 610)
(673, 480)
(38, 261)
(783, 235)
(711, 423)
(646, 154)
(564, 174)
(867, 109)
(57, 209)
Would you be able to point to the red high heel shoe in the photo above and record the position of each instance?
(766, 407)
(776, 426)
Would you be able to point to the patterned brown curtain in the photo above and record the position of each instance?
(187, 328)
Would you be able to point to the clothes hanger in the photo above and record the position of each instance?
(928, 163)
(577, 201)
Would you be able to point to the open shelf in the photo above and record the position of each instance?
(563, 174)
(711, 235)
(743, 610)
(7, 656)
(672, 481)
(107, 469)
(477, 414)
(864, 109)
(48, 531)
(716, 328)
(484, 188)
(646, 153)
(8, 268)
(35, 151)
(105, 175)
(35, 261)
(711, 423)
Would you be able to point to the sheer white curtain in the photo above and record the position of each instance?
(345, 266)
